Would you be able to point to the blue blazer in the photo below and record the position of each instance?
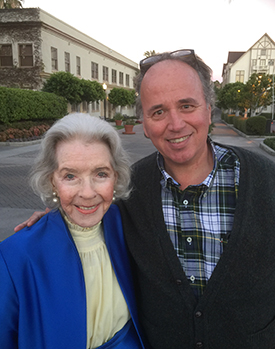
(42, 288)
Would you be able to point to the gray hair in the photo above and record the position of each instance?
(203, 70)
(88, 129)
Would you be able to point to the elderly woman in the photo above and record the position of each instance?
(66, 281)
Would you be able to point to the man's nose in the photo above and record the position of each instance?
(175, 120)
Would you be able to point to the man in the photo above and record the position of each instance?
(199, 222)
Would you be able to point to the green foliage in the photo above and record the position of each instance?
(66, 85)
(129, 122)
(118, 116)
(149, 53)
(91, 91)
(8, 4)
(17, 104)
(121, 97)
(231, 96)
(258, 91)
(239, 122)
(256, 125)
(270, 142)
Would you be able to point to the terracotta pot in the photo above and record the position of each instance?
(129, 129)
(118, 122)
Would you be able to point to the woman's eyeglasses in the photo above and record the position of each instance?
(148, 61)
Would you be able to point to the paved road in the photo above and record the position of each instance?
(17, 201)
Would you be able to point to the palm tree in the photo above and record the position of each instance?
(6, 4)
(147, 53)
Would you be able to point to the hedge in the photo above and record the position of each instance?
(21, 105)
(256, 125)
(270, 142)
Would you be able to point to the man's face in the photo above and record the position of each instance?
(176, 116)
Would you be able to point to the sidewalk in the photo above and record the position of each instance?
(17, 201)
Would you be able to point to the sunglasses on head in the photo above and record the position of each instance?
(149, 61)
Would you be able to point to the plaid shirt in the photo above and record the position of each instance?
(199, 219)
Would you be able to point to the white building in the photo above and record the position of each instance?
(35, 44)
(260, 58)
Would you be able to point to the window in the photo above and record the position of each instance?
(105, 73)
(127, 80)
(263, 52)
(113, 76)
(25, 55)
(120, 78)
(262, 62)
(94, 70)
(240, 75)
(78, 70)
(54, 58)
(6, 56)
(67, 62)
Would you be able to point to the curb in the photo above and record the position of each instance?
(19, 144)
(267, 149)
(261, 145)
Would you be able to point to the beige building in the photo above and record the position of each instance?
(260, 58)
(35, 44)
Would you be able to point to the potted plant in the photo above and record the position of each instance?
(118, 119)
(128, 126)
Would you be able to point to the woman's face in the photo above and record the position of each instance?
(84, 181)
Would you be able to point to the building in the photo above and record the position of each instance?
(35, 44)
(260, 58)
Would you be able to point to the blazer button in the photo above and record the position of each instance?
(199, 345)
(178, 281)
(198, 314)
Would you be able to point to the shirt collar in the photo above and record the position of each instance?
(208, 180)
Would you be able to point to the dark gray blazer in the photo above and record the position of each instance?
(237, 310)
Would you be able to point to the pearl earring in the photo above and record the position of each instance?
(55, 198)
(114, 195)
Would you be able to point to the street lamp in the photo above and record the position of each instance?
(105, 89)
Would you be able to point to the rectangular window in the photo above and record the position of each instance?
(120, 78)
(113, 76)
(240, 75)
(127, 80)
(263, 52)
(262, 62)
(67, 62)
(25, 55)
(54, 58)
(78, 70)
(94, 70)
(105, 73)
(6, 56)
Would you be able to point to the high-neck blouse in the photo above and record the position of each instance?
(107, 311)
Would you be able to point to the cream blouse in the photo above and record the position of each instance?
(107, 311)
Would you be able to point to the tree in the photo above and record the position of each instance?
(66, 85)
(92, 91)
(149, 53)
(231, 96)
(121, 97)
(7, 4)
(258, 92)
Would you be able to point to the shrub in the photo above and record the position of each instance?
(256, 125)
(239, 122)
(270, 142)
(18, 105)
(230, 118)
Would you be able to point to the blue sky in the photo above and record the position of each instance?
(210, 27)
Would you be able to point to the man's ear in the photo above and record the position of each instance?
(145, 131)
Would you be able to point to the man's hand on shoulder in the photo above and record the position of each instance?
(33, 219)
